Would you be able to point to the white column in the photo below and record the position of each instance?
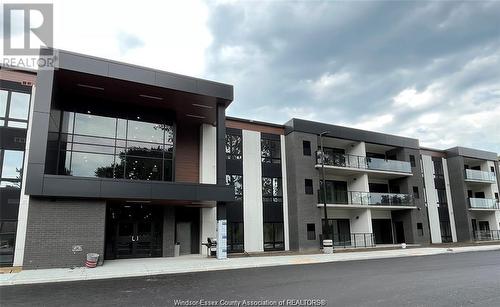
(252, 193)
(208, 174)
(450, 202)
(432, 199)
(22, 217)
(285, 194)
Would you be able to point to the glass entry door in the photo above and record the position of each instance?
(134, 231)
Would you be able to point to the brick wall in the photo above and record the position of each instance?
(54, 227)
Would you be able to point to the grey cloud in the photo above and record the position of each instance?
(278, 50)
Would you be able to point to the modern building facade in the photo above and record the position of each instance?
(15, 96)
(372, 186)
(130, 162)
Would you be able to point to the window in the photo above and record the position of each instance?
(272, 190)
(14, 109)
(98, 146)
(237, 182)
(273, 236)
(415, 192)
(311, 232)
(306, 148)
(234, 150)
(270, 151)
(11, 171)
(492, 168)
(496, 196)
(308, 186)
(235, 241)
(412, 161)
(420, 229)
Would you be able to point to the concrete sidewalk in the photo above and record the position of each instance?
(197, 263)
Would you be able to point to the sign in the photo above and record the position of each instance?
(221, 239)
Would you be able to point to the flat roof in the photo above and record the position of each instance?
(113, 69)
(347, 133)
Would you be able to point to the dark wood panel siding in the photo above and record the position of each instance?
(187, 153)
(259, 127)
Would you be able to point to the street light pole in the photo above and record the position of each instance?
(325, 223)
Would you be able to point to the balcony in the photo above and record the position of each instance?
(373, 165)
(366, 199)
(484, 203)
(486, 235)
(479, 176)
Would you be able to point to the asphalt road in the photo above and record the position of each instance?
(443, 280)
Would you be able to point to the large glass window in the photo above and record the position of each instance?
(273, 236)
(98, 146)
(270, 151)
(234, 149)
(11, 168)
(237, 182)
(14, 109)
(272, 191)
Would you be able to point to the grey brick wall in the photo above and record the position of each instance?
(459, 197)
(54, 227)
(302, 208)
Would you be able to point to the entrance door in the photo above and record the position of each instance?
(382, 231)
(183, 230)
(134, 231)
(400, 232)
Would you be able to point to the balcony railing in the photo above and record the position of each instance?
(353, 240)
(475, 175)
(486, 235)
(366, 198)
(347, 160)
(483, 203)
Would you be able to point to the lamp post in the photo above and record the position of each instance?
(325, 223)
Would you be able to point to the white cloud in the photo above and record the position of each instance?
(411, 98)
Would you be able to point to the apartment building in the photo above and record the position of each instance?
(131, 162)
(370, 183)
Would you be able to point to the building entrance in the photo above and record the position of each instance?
(133, 231)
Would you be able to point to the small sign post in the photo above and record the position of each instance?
(221, 239)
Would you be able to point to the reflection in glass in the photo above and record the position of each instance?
(15, 124)
(19, 105)
(116, 148)
(95, 125)
(89, 164)
(143, 168)
(3, 102)
(146, 132)
(12, 164)
(237, 182)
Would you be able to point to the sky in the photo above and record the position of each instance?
(428, 69)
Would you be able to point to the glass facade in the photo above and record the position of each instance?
(92, 145)
(234, 147)
(14, 111)
(270, 151)
(14, 108)
(272, 191)
(237, 182)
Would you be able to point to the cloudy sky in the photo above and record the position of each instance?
(427, 69)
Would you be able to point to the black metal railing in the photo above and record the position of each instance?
(486, 235)
(366, 198)
(353, 240)
(354, 161)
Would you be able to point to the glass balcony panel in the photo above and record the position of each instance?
(472, 174)
(483, 203)
(390, 199)
(389, 165)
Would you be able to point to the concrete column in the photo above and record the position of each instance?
(450, 201)
(252, 193)
(208, 174)
(432, 199)
(285, 194)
